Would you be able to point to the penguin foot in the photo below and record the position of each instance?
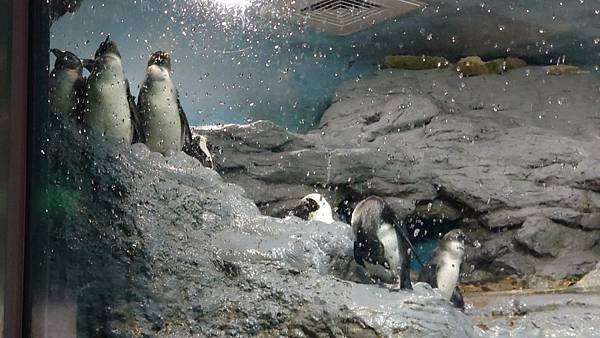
(396, 287)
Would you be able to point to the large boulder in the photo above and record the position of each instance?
(488, 152)
(591, 280)
(59, 8)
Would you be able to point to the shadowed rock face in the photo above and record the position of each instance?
(59, 8)
(149, 245)
(492, 152)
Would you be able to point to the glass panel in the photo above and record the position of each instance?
(315, 168)
(4, 148)
(13, 137)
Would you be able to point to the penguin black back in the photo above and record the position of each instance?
(379, 244)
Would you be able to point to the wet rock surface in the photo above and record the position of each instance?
(536, 315)
(591, 280)
(150, 246)
(509, 155)
(59, 8)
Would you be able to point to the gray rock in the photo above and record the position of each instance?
(591, 280)
(402, 207)
(438, 210)
(510, 218)
(497, 257)
(261, 136)
(538, 315)
(546, 238)
(59, 8)
(498, 148)
(160, 246)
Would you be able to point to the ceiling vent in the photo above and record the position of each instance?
(344, 17)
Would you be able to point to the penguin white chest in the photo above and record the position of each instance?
(63, 96)
(107, 106)
(388, 237)
(160, 114)
(322, 215)
(447, 274)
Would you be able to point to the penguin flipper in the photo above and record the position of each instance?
(457, 299)
(186, 134)
(429, 272)
(189, 147)
(389, 216)
(369, 249)
(81, 98)
(136, 119)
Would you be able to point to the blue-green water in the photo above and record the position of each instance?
(424, 250)
(235, 65)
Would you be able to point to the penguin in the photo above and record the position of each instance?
(163, 120)
(109, 107)
(202, 143)
(381, 242)
(442, 271)
(66, 84)
(314, 207)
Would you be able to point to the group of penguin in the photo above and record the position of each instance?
(103, 104)
(383, 248)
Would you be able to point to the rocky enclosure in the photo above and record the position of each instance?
(513, 158)
(143, 245)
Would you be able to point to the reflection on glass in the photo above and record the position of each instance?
(318, 168)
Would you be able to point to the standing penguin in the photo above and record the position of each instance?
(109, 107)
(66, 84)
(442, 271)
(381, 243)
(314, 207)
(163, 120)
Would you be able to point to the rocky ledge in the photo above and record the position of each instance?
(513, 158)
(143, 245)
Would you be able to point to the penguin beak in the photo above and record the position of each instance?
(471, 242)
(465, 238)
(89, 64)
(107, 38)
(58, 53)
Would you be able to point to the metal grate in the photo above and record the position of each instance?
(343, 17)
(341, 12)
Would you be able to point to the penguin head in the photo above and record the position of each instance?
(314, 207)
(454, 240)
(456, 235)
(66, 60)
(161, 59)
(107, 47)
